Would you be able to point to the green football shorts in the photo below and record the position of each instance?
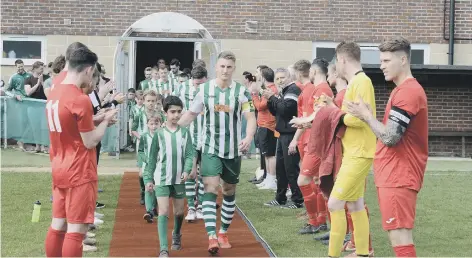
(227, 169)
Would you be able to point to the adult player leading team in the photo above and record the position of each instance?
(402, 148)
(73, 138)
(223, 102)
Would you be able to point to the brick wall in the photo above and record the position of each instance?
(463, 20)
(367, 20)
(445, 146)
(449, 106)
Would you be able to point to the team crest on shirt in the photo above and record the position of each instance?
(222, 108)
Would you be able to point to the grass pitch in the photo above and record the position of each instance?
(443, 219)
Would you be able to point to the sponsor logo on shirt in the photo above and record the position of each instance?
(222, 108)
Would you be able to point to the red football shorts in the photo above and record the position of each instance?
(77, 204)
(310, 165)
(397, 207)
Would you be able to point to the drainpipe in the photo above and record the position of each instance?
(451, 31)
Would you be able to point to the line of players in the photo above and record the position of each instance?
(75, 132)
(399, 160)
(216, 156)
(399, 157)
(148, 104)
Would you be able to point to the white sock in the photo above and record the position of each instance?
(270, 178)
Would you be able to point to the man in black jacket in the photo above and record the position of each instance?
(284, 108)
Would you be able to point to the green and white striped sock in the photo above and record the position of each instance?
(227, 212)
(201, 191)
(190, 193)
(209, 213)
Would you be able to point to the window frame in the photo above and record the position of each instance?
(372, 46)
(20, 38)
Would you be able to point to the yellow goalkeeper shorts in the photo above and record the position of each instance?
(350, 181)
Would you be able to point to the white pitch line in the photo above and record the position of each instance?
(449, 174)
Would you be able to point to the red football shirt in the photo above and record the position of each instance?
(307, 102)
(338, 100)
(69, 112)
(58, 79)
(404, 164)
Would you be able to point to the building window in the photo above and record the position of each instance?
(27, 48)
(370, 54)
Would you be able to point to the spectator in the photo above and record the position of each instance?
(248, 79)
(34, 84)
(284, 107)
(47, 71)
(266, 134)
(16, 83)
(56, 67)
(105, 88)
(244, 122)
(34, 89)
(16, 87)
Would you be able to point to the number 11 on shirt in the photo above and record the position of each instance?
(52, 107)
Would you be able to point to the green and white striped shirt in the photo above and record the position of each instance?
(151, 85)
(187, 94)
(135, 114)
(170, 155)
(222, 112)
(144, 147)
(144, 85)
(173, 76)
(140, 120)
(165, 89)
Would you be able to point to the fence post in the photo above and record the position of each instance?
(4, 117)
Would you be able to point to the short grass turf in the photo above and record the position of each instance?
(21, 237)
(442, 226)
(443, 219)
(15, 158)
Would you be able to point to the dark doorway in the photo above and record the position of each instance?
(148, 52)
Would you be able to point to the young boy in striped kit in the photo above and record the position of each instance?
(170, 162)
(223, 103)
(159, 109)
(187, 94)
(134, 113)
(139, 127)
(151, 83)
(164, 85)
(153, 123)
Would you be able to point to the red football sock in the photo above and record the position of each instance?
(405, 251)
(53, 243)
(314, 186)
(73, 245)
(309, 198)
(322, 211)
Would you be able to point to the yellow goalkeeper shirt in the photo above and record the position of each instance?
(359, 140)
